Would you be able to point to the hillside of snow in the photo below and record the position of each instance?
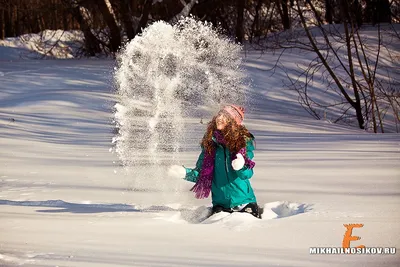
(66, 201)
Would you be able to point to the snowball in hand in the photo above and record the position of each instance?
(177, 171)
(238, 163)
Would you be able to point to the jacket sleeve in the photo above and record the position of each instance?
(246, 173)
(193, 174)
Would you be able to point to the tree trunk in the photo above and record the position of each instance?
(40, 22)
(65, 23)
(357, 103)
(56, 19)
(92, 45)
(184, 12)
(126, 14)
(16, 20)
(115, 36)
(384, 12)
(2, 25)
(255, 25)
(356, 12)
(7, 23)
(377, 11)
(328, 11)
(285, 15)
(145, 16)
(10, 22)
(240, 4)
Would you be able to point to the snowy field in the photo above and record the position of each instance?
(65, 201)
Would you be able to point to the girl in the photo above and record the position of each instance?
(225, 164)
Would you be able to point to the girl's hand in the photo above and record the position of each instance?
(177, 171)
(238, 163)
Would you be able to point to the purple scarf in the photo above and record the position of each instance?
(202, 188)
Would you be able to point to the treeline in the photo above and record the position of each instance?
(110, 23)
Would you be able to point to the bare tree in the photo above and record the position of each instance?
(2, 24)
(256, 24)
(126, 16)
(283, 9)
(377, 11)
(240, 20)
(350, 67)
(91, 43)
(115, 35)
(145, 15)
(329, 11)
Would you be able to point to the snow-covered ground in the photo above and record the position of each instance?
(64, 199)
(46, 44)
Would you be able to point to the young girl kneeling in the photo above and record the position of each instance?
(225, 164)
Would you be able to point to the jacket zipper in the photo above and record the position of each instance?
(226, 166)
(227, 176)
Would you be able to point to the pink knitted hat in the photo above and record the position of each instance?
(236, 112)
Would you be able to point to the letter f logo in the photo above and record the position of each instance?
(348, 237)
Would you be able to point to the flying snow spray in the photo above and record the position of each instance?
(163, 77)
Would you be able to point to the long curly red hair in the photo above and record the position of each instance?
(234, 135)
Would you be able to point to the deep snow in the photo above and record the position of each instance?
(65, 199)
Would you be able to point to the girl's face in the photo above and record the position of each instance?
(221, 121)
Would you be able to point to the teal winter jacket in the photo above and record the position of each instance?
(230, 188)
